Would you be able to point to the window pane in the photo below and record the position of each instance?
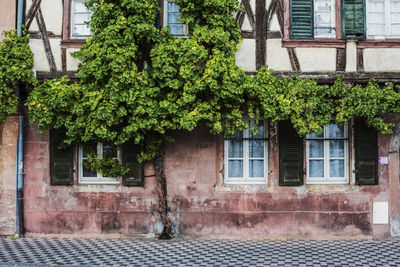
(316, 149)
(376, 18)
(336, 148)
(377, 6)
(80, 7)
(81, 18)
(395, 6)
(322, 20)
(336, 168)
(322, 5)
(260, 130)
(172, 7)
(235, 149)
(395, 17)
(256, 168)
(235, 168)
(322, 31)
(256, 148)
(91, 147)
(173, 18)
(376, 29)
(81, 30)
(176, 29)
(109, 151)
(336, 131)
(316, 168)
(395, 29)
(88, 173)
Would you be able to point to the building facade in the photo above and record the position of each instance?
(248, 185)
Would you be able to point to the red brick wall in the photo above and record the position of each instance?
(200, 203)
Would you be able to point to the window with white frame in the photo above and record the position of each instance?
(246, 160)
(87, 176)
(171, 19)
(324, 19)
(327, 156)
(80, 16)
(383, 19)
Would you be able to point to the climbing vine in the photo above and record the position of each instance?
(138, 82)
(16, 62)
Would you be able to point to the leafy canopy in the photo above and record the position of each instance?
(139, 82)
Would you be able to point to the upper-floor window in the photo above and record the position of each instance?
(312, 19)
(171, 19)
(80, 16)
(383, 19)
(246, 156)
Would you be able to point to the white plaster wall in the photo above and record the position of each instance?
(246, 56)
(274, 24)
(277, 56)
(72, 63)
(351, 56)
(382, 59)
(246, 24)
(52, 13)
(40, 59)
(317, 59)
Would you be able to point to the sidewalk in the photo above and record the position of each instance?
(197, 252)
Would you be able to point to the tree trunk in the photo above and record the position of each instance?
(162, 195)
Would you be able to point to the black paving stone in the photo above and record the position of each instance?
(197, 252)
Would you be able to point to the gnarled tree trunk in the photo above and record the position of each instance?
(162, 195)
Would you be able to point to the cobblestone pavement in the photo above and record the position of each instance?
(197, 252)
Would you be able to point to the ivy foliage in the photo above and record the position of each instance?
(16, 62)
(139, 82)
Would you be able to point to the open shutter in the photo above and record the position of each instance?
(301, 19)
(135, 177)
(366, 153)
(290, 155)
(353, 19)
(61, 160)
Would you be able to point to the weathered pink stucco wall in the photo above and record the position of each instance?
(7, 16)
(200, 202)
(8, 138)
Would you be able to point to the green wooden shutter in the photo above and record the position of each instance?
(61, 160)
(366, 153)
(301, 19)
(135, 177)
(290, 155)
(353, 19)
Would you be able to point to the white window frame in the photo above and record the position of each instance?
(388, 24)
(246, 179)
(327, 179)
(333, 21)
(99, 179)
(72, 22)
(165, 20)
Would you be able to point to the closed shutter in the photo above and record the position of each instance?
(301, 19)
(61, 160)
(366, 153)
(135, 177)
(290, 155)
(353, 19)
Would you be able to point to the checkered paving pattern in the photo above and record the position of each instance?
(196, 252)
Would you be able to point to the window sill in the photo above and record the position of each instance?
(379, 43)
(323, 43)
(73, 43)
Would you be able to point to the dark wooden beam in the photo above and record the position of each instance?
(341, 59)
(32, 13)
(249, 35)
(249, 12)
(270, 12)
(261, 34)
(64, 59)
(294, 61)
(45, 38)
